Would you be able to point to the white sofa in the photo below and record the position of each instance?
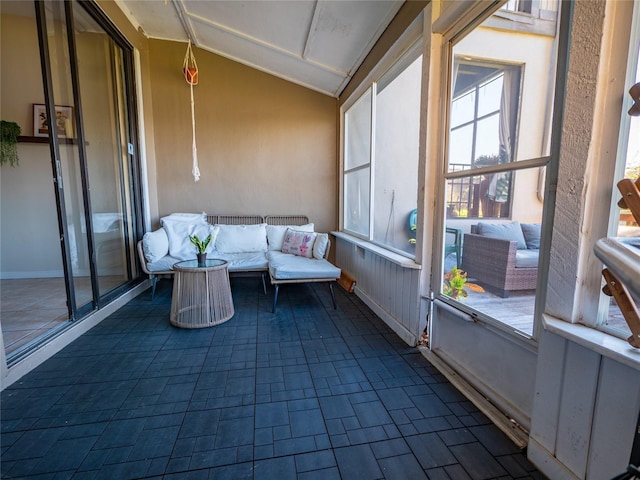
(287, 247)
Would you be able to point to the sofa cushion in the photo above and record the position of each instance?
(504, 231)
(241, 238)
(531, 233)
(178, 232)
(527, 258)
(162, 265)
(243, 261)
(155, 245)
(320, 245)
(299, 243)
(275, 233)
(284, 266)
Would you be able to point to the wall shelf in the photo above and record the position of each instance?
(28, 139)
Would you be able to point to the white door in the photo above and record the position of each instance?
(497, 146)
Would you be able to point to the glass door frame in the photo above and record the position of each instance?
(133, 270)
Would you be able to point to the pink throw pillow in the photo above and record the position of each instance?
(299, 243)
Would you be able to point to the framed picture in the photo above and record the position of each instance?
(64, 121)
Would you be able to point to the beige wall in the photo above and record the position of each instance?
(265, 146)
(28, 219)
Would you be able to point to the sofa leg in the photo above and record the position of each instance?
(275, 298)
(264, 284)
(154, 281)
(333, 296)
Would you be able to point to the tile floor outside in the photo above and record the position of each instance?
(309, 392)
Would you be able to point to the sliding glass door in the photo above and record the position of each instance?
(105, 121)
(76, 212)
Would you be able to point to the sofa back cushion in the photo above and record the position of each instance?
(241, 238)
(275, 234)
(299, 243)
(320, 246)
(504, 231)
(531, 233)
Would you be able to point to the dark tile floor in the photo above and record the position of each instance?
(308, 393)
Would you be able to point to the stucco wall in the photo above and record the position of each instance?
(577, 127)
(265, 145)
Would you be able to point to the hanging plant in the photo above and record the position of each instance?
(9, 132)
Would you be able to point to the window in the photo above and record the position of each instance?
(494, 174)
(623, 223)
(483, 119)
(380, 177)
(522, 6)
(357, 166)
(395, 193)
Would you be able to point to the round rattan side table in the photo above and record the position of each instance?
(201, 294)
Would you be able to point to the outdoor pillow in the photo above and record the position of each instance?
(531, 233)
(275, 233)
(242, 238)
(299, 243)
(504, 231)
(178, 233)
(320, 245)
(155, 245)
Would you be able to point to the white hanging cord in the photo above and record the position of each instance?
(190, 69)
(392, 212)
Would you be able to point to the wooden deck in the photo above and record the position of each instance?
(517, 310)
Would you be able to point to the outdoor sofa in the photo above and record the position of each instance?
(284, 246)
(502, 256)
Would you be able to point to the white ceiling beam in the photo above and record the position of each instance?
(311, 31)
(184, 20)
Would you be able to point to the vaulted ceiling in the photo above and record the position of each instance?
(315, 43)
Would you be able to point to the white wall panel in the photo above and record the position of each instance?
(501, 366)
(581, 371)
(546, 402)
(390, 289)
(585, 411)
(616, 412)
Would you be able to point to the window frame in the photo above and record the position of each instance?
(384, 75)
